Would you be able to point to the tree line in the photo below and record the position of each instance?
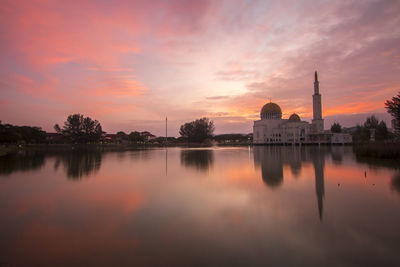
(373, 127)
(12, 134)
(80, 129)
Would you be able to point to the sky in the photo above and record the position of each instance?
(130, 64)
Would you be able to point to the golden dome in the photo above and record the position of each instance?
(294, 117)
(271, 111)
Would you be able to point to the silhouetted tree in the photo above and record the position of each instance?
(21, 134)
(336, 128)
(80, 129)
(123, 135)
(371, 122)
(363, 133)
(382, 132)
(198, 130)
(393, 108)
(136, 137)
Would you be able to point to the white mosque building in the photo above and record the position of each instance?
(272, 129)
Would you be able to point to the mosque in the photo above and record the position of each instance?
(272, 129)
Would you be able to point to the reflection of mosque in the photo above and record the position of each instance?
(271, 159)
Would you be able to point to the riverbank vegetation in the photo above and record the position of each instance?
(12, 134)
(384, 150)
(197, 131)
(371, 130)
(373, 139)
(80, 129)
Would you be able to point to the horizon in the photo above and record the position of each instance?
(130, 64)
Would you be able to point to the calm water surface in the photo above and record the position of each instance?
(205, 207)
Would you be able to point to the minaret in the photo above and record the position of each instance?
(317, 122)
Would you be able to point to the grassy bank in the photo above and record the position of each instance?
(378, 150)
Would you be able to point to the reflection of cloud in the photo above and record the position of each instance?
(199, 159)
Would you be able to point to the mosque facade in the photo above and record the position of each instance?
(272, 129)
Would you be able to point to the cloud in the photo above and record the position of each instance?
(219, 97)
(237, 75)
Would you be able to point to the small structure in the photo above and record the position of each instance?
(112, 138)
(147, 136)
(54, 138)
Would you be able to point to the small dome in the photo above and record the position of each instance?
(271, 111)
(294, 117)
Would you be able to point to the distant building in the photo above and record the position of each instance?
(147, 136)
(272, 129)
(113, 138)
(54, 138)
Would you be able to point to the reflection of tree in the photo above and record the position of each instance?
(395, 184)
(79, 163)
(198, 159)
(337, 154)
(270, 159)
(23, 161)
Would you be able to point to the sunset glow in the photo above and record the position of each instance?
(129, 64)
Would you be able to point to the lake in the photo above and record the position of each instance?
(227, 206)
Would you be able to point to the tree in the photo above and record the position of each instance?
(198, 130)
(80, 129)
(363, 133)
(382, 132)
(393, 108)
(123, 135)
(135, 137)
(336, 128)
(371, 122)
(21, 134)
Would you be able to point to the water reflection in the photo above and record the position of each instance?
(318, 160)
(198, 159)
(395, 184)
(22, 161)
(79, 164)
(273, 158)
(270, 159)
(228, 218)
(337, 154)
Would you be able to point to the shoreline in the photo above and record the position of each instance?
(365, 150)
